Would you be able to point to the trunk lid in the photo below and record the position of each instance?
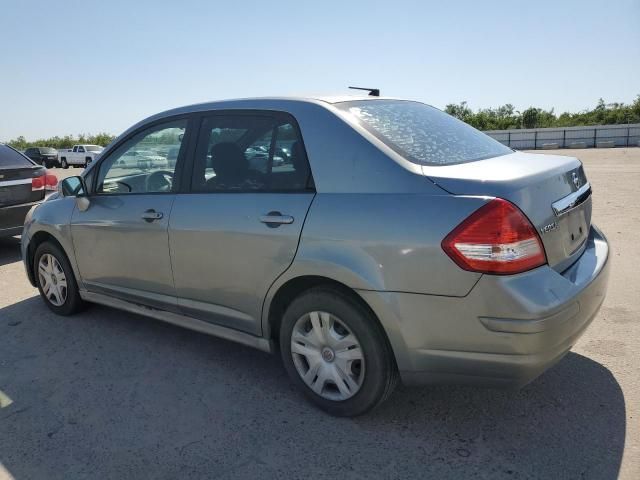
(552, 191)
(15, 185)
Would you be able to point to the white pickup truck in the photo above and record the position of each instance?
(79, 155)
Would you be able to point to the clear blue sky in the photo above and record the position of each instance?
(68, 67)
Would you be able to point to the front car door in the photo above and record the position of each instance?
(238, 228)
(121, 240)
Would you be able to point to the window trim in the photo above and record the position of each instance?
(275, 115)
(181, 162)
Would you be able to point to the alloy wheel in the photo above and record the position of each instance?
(327, 356)
(53, 281)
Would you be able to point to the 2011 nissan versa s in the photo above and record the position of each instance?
(389, 240)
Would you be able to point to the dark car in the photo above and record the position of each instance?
(23, 184)
(46, 156)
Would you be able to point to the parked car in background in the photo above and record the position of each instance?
(79, 155)
(395, 241)
(23, 184)
(45, 156)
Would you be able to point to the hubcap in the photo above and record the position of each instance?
(52, 280)
(327, 356)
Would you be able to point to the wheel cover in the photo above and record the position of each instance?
(327, 356)
(53, 281)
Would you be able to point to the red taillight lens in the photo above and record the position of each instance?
(497, 238)
(44, 182)
(37, 183)
(50, 182)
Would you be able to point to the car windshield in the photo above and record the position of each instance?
(47, 150)
(93, 148)
(421, 133)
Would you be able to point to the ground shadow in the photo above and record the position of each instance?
(111, 394)
(9, 250)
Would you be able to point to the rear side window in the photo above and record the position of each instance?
(421, 133)
(250, 153)
(9, 158)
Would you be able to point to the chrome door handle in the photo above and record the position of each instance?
(151, 215)
(275, 219)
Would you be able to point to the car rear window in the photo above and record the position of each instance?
(47, 150)
(421, 133)
(9, 158)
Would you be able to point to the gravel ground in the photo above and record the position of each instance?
(107, 394)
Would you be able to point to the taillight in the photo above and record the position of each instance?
(497, 238)
(47, 182)
(37, 183)
(50, 182)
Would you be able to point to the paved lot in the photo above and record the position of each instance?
(108, 394)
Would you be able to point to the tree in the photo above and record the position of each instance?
(530, 117)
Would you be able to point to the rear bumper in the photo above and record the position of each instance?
(12, 218)
(506, 331)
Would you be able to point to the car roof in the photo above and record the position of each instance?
(257, 103)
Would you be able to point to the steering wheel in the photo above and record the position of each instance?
(159, 181)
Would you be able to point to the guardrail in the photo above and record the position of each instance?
(601, 136)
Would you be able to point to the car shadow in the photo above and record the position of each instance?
(9, 250)
(117, 394)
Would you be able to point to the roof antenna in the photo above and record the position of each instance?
(373, 92)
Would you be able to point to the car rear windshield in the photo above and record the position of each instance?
(421, 133)
(47, 150)
(10, 158)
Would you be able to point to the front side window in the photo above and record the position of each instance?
(146, 163)
(249, 153)
(423, 134)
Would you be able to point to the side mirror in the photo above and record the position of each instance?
(75, 187)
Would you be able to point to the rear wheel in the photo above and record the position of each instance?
(55, 280)
(336, 352)
(63, 163)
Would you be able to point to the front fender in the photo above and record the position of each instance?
(51, 218)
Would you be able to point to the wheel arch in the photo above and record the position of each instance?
(282, 295)
(37, 239)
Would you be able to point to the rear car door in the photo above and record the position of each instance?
(238, 227)
(121, 240)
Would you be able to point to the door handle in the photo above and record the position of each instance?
(151, 215)
(275, 219)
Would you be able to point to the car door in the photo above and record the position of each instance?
(121, 240)
(238, 227)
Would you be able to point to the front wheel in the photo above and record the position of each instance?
(64, 164)
(335, 351)
(55, 280)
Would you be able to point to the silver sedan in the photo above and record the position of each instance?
(375, 240)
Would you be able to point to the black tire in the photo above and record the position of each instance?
(73, 303)
(380, 374)
(63, 163)
(47, 164)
